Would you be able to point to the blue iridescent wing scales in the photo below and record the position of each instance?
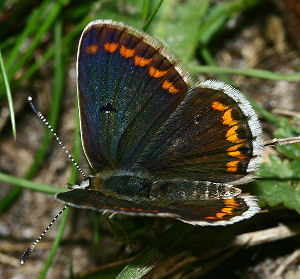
(128, 85)
(143, 117)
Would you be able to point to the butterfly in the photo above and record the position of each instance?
(159, 142)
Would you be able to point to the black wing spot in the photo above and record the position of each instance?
(108, 108)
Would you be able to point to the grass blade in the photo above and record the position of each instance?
(9, 98)
(257, 73)
(149, 257)
(40, 154)
(43, 28)
(58, 90)
(31, 25)
(151, 17)
(145, 10)
(48, 54)
(25, 183)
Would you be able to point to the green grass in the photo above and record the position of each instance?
(50, 31)
(9, 97)
(59, 73)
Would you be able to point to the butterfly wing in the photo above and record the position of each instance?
(214, 135)
(138, 108)
(128, 85)
(202, 212)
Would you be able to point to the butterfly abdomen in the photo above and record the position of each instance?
(189, 191)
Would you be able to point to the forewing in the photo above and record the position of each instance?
(96, 200)
(128, 85)
(201, 212)
(214, 135)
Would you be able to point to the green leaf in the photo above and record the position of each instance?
(131, 13)
(276, 168)
(280, 183)
(178, 23)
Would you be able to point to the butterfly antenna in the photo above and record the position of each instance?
(35, 243)
(41, 116)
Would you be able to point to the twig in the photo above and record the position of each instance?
(286, 112)
(12, 246)
(173, 266)
(286, 263)
(239, 242)
(267, 235)
(7, 260)
(295, 123)
(205, 268)
(247, 240)
(277, 142)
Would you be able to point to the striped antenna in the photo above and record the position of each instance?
(41, 116)
(35, 243)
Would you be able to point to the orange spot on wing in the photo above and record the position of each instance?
(111, 47)
(227, 210)
(153, 72)
(231, 202)
(234, 152)
(237, 154)
(92, 49)
(126, 52)
(232, 166)
(169, 86)
(227, 118)
(232, 135)
(210, 217)
(234, 147)
(142, 62)
(219, 106)
(220, 215)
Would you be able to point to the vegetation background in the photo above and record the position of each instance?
(253, 44)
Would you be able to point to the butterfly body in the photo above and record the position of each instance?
(160, 143)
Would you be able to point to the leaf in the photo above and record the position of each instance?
(177, 24)
(280, 183)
